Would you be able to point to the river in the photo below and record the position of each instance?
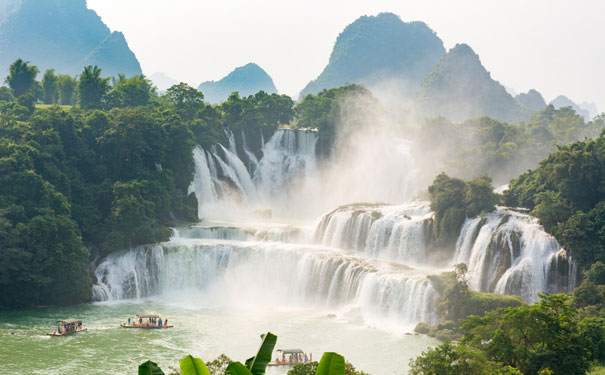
(202, 331)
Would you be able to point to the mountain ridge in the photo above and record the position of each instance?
(64, 35)
(246, 79)
(460, 87)
(377, 48)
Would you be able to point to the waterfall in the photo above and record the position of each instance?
(231, 272)
(355, 259)
(225, 187)
(203, 184)
(508, 252)
(288, 156)
(396, 233)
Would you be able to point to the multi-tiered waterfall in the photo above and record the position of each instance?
(367, 260)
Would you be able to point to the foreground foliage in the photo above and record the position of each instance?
(330, 364)
(550, 336)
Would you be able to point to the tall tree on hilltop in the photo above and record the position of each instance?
(22, 77)
(92, 87)
(49, 85)
(186, 100)
(66, 86)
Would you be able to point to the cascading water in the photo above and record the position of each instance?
(508, 252)
(351, 260)
(396, 233)
(243, 273)
(226, 188)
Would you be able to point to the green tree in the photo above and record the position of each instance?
(6, 95)
(456, 359)
(22, 77)
(533, 337)
(92, 88)
(187, 100)
(480, 196)
(591, 292)
(218, 366)
(131, 92)
(66, 86)
(447, 201)
(49, 85)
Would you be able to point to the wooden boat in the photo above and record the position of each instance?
(291, 357)
(67, 327)
(149, 321)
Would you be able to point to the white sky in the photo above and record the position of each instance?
(554, 46)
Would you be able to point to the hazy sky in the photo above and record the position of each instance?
(554, 46)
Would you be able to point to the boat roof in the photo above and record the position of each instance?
(146, 316)
(288, 351)
(68, 321)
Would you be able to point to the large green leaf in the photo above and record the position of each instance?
(331, 364)
(193, 366)
(258, 363)
(150, 368)
(236, 368)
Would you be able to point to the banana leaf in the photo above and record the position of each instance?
(237, 368)
(331, 364)
(258, 363)
(150, 368)
(193, 366)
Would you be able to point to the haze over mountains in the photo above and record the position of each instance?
(460, 88)
(564, 101)
(377, 48)
(373, 51)
(63, 35)
(247, 80)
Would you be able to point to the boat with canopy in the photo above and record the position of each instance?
(290, 357)
(147, 321)
(67, 327)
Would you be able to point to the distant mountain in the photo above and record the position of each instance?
(375, 49)
(61, 34)
(162, 81)
(248, 80)
(460, 88)
(563, 101)
(533, 101)
(591, 108)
